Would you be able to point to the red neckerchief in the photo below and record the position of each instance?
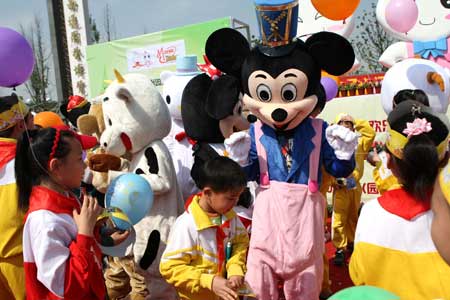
(220, 234)
(7, 152)
(44, 198)
(182, 135)
(402, 204)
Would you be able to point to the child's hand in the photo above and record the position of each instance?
(235, 282)
(118, 237)
(87, 217)
(220, 287)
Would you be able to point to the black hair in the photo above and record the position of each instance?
(7, 102)
(222, 174)
(7, 132)
(420, 164)
(408, 94)
(32, 156)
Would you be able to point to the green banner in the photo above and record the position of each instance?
(149, 54)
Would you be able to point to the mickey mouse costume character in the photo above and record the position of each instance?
(280, 80)
(215, 125)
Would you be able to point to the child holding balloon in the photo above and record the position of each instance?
(61, 256)
(393, 244)
(206, 254)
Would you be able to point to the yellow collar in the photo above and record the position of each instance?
(8, 140)
(201, 218)
(397, 142)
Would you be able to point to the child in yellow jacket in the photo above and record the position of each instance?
(347, 192)
(206, 254)
(394, 249)
(15, 118)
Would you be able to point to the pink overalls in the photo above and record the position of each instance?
(287, 232)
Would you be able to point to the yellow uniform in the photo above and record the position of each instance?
(191, 259)
(12, 275)
(346, 201)
(394, 249)
(384, 179)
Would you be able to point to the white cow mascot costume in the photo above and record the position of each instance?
(310, 21)
(137, 119)
(177, 143)
(422, 25)
(416, 74)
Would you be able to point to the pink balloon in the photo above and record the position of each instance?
(402, 15)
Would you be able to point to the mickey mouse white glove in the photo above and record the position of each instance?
(342, 140)
(238, 147)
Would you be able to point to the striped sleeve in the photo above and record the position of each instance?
(240, 241)
(398, 255)
(65, 266)
(176, 262)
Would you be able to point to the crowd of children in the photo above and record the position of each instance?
(401, 241)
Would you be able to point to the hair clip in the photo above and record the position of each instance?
(416, 109)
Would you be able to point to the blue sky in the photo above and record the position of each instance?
(135, 17)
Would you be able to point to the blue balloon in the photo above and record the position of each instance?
(132, 194)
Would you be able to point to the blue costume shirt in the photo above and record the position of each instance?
(302, 148)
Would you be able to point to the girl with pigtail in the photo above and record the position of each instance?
(61, 256)
(394, 249)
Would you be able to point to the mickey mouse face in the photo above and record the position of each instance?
(281, 90)
(433, 21)
(279, 102)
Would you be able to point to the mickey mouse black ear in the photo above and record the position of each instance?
(333, 52)
(222, 97)
(227, 49)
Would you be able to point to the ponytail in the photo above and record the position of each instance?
(419, 167)
(22, 167)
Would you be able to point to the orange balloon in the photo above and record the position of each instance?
(336, 9)
(47, 119)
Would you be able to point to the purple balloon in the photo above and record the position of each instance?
(330, 86)
(16, 58)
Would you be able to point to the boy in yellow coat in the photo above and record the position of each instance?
(347, 191)
(206, 254)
